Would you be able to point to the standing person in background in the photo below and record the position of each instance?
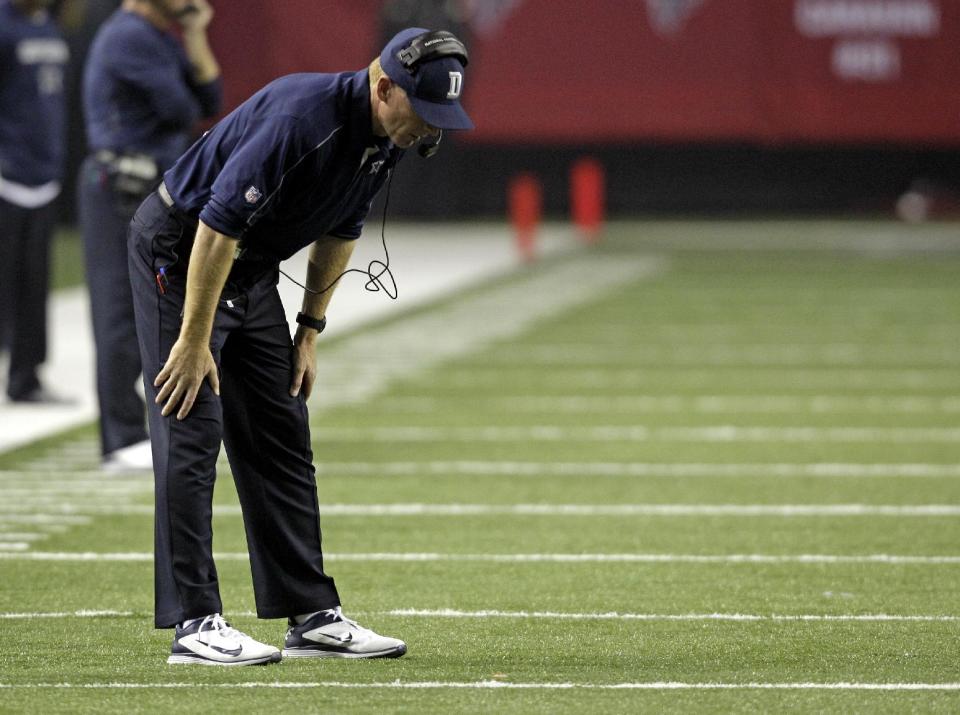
(143, 91)
(32, 137)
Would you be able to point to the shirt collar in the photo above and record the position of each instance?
(360, 116)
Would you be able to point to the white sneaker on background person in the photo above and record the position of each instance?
(212, 641)
(136, 457)
(330, 634)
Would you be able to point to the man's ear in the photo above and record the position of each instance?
(384, 85)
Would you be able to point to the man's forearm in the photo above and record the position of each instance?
(210, 263)
(329, 257)
(205, 65)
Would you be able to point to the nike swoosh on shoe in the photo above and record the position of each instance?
(315, 637)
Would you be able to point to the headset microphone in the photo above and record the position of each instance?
(431, 147)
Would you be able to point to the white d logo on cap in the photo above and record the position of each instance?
(456, 84)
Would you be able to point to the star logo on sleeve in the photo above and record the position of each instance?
(253, 195)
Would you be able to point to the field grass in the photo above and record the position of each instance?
(728, 484)
(66, 259)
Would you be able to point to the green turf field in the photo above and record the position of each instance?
(66, 259)
(723, 476)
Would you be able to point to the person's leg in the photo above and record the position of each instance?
(104, 222)
(267, 438)
(184, 452)
(28, 329)
(11, 224)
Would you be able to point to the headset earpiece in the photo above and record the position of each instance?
(426, 47)
(432, 46)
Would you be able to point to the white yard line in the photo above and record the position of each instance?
(857, 355)
(698, 404)
(407, 557)
(739, 510)
(639, 469)
(66, 614)
(554, 615)
(614, 616)
(31, 474)
(565, 377)
(490, 684)
(94, 480)
(58, 520)
(96, 507)
(639, 433)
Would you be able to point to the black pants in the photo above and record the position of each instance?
(24, 277)
(265, 432)
(104, 220)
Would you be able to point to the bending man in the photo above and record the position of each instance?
(297, 164)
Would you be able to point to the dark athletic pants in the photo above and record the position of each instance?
(104, 220)
(24, 275)
(265, 432)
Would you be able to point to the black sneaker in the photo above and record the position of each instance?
(211, 641)
(330, 634)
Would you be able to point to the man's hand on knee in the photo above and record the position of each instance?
(182, 376)
(304, 363)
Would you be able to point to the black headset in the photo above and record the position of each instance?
(423, 48)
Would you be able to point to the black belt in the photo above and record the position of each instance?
(242, 253)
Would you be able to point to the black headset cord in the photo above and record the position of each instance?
(376, 269)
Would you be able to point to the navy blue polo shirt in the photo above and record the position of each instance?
(32, 108)
(139, 94)
(295, 162)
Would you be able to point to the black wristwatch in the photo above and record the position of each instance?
(308, 322)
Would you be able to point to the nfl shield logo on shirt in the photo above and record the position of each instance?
(253, 195)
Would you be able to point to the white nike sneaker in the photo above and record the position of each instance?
(212, 641)
(330, 634)
(132, 458)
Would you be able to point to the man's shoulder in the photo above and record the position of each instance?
(123, 31)
(312, 103)
(309, 91)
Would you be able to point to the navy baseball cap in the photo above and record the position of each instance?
(433, 88)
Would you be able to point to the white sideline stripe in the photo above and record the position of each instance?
(575, 469)
(639, 433)
(586, 510)
(638, 510)
(14, 546)
(640, 469)
(13, 486)
(731, 355)
(66, 614)
(707, 404)
(488, 684)
(31, 474)
(53, 519)
(556, 615)
(880, 559)
(614, 616)
(616, 378)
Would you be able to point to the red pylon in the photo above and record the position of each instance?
(588, 198)
(525, 198)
